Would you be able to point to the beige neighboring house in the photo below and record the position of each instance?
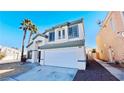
(110, 38)
(10, 53)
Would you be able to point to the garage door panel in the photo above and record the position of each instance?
(65, 57)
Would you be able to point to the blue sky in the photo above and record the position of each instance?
(10, 21)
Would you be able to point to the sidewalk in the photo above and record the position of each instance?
(14, 69)
(118, 73)
(8, 61)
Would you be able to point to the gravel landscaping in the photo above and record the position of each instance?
(94, 72)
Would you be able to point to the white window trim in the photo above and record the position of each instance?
(59, 37)
(78, 31)
(63, 36)
(54, 36)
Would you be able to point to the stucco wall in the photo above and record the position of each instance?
(107, 39)
(10, 53)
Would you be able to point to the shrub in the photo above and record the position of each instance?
(94, 51)
(2, 55)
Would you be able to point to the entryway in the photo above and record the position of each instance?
(39, 56)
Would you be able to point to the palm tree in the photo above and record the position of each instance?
(25, 25)
(33, 30)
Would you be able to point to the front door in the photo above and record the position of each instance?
(39, 56)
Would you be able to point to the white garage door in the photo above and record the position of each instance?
(64, 57)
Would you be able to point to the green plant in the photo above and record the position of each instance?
(2, 55)
(26, 25)
(94, 51)
(33, 30)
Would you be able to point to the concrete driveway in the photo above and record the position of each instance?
(46, 73)
(14, 68)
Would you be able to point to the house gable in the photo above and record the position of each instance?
(33, 39)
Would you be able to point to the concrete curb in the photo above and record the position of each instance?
(114, 71)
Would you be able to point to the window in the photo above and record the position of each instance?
(51, 36)
(112, 25)
(73, 32)
(29, 54)
(59, 34)
(63, 33)
(38, 42)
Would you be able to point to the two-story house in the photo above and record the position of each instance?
(62, 45)
(110, 38)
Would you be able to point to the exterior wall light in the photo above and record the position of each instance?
(120, 34)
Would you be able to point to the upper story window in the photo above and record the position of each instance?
(59, 34)
(73, 32)
(38, 43)
(112, 25)
(51, 36)
(63, 33)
